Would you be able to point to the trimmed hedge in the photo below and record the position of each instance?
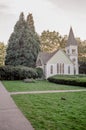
(19, 73)
(76, 81)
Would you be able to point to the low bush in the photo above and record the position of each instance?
(29, 80)
(69, 80)
(19, 73)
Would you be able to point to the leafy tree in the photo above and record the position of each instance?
(2, 53)
(23, 45)
(51, 41)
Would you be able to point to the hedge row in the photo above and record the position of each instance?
(65, 81)
(19, 73)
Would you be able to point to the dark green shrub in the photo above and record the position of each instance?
(77, 81)
(18, 73)
(40, 72)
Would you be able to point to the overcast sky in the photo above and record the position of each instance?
(56, 15)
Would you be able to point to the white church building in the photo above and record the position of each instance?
(60, 62)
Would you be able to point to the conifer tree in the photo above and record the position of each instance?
(30, 22)
(23, 45)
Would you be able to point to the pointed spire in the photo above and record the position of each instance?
(71, 39)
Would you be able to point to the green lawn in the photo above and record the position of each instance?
(50, 112)
(15, 86)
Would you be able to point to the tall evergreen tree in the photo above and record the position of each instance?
(23, 46)
(30, 22)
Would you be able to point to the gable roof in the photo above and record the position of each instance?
(71, 39)
(61, 51)
(46, 56)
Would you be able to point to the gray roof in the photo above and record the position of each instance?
(71, 39)
(46, 56)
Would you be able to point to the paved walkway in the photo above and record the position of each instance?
(10, 116)
(49, 91)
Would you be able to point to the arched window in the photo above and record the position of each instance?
(60, 68)
(57, 68)
(73, 51)
(74, 60)
(68, 51)
(51, 69)
(68, 69)
(74, 70)
(39, 63)
(63, 68)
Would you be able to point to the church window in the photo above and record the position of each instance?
(68, 69)
(68, 51)
(63, 68)
(45, 69)
(60, 68)
(73, 51)
(57, 68)
(74, 60)
(39, 63)
(74, 70)
(51, 69)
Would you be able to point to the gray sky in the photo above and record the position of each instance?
(56, 15)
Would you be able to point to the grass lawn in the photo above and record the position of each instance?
(15, 86)
(50, 112)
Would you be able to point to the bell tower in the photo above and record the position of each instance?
(72, 50)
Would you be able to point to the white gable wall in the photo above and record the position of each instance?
(59, 58)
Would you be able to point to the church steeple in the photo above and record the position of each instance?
(72, 50)
(71, 39)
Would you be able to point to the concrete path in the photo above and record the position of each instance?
(49, 91)
(10, 116)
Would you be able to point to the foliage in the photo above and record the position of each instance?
(50, 41)
(18, 73)
(39, 72)
(30, 22)
(49, 112)
(82, 68)
(2, 53)
(23, 45)
(82, 50)
(69, 80)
